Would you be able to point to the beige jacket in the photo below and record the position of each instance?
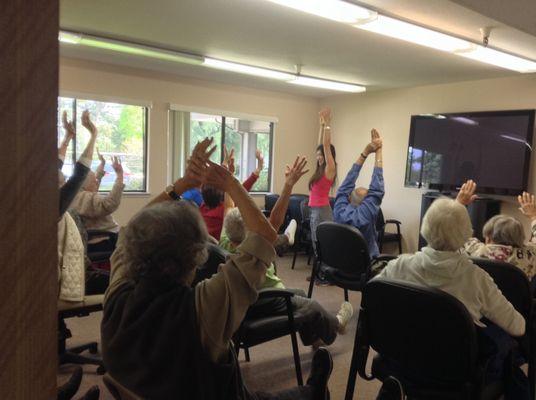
(96, 209)
(221, 302)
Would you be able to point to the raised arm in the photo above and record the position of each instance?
(527, 205)
(99, 172)
(81, 168)
(292, 176)
(325, 119)
(69, 135)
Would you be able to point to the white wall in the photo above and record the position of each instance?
(390, 111)
(296, 132)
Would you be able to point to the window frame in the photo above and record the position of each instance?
(270, 150)
(76, 97)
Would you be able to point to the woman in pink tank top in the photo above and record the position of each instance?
(323, 178)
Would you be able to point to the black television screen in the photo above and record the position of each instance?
(492, 148)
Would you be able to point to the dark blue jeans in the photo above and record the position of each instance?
(504, 359)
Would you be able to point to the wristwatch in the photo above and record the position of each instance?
(170, 191)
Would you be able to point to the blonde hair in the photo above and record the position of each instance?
(446, 225)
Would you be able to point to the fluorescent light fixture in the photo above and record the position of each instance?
(499, 59)
(398, 29)
(247, 69)
(185, 58)
(325, 84)
(336, 10)
(129, 48)
(69, 37)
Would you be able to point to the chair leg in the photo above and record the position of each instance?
(297, 361)
(294, 257)
(246, 353)
(399, 245)
(352, 375)
(312, 282)
(345, 294)
(532, 372)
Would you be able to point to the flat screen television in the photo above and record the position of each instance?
(492, 148)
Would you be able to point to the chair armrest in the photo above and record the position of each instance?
(385, 257)
(97, 232)
(393, 221)
(271, 293)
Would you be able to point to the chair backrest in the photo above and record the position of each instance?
(380, 221)
(294, 210)
(342, 247)
(216, 256)
(512, 282)
(119, 391)
(427, 332)
(269, 201)
(305, 210)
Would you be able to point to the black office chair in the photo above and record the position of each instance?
(67, 309)
(516, 287)
(303, 239)
(343, 252)
(424, 337)
(388, 237)
(269, 202)
(216, 256)
(256, 330)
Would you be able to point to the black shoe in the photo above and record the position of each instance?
(321, 368)
(69, 388)
(391, 390)
(92, 394)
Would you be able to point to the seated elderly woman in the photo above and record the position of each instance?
(320, 326)
(505, 239)
(446, 227)
(163, 339)
(96, 209)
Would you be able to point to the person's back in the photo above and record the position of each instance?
(455, 274)
(153, 326)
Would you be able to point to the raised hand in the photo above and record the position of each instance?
(293, 175)
(467, 195)
(101, 158)
(196, 167)
(527, 205)
(260, 162)
(116, 165)
(325, 116)
(88, 124)
(68, 126)
(375, 142)
(228, 159)
(219, 176)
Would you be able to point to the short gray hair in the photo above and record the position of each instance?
(355, 198)
(446, 225)
(234, 226)
(505, 230)
(166, 240)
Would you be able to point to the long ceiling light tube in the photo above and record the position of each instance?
(74, 38)
(369, 20)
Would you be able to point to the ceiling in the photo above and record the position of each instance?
(261, 33)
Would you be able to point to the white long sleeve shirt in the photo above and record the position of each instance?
(455, 274)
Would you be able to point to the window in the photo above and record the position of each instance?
(242, 135)
(122, 132)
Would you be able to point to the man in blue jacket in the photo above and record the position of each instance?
(360, 207)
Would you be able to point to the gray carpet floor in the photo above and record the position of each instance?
(271, 367)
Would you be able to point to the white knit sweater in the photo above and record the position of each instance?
(71, 263)
(455, 274)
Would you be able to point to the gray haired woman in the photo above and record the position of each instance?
(504, 239)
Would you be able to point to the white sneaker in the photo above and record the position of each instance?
(290, 232)
(344, 315)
